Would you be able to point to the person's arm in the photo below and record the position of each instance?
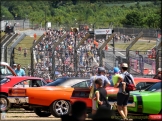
(98, 97)
(107, 82)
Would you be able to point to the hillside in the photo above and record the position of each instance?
(73, 12)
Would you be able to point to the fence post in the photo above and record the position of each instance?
(53, 55)
(32, 56)
(157, 56)
(6, 44)
(130, 45)
(102, 46)
(14, 45)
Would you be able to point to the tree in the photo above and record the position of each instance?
(134, 18)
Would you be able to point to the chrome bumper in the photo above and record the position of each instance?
(129, 104)
(18, 100)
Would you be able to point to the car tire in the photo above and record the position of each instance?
(28, 109)
(60, 107)
(41, 113)
(4, 101)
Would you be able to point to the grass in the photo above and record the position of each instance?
(27, 42)
(2, 34)
(141, 45)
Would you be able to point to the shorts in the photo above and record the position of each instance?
(94, 107)
(122, 99)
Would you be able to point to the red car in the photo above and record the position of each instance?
(16, 81)
(56, 97)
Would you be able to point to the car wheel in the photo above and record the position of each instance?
(60, 107)
(28, 108)
(41, 113)
(4, 104)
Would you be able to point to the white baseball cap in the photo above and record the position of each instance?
(14, 64)
(125, 65)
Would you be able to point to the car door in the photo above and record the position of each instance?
(81, 93)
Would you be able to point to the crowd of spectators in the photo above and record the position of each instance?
(87, 53)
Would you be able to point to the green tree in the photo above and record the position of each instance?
(134, 18)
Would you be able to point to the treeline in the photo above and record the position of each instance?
(74, 12)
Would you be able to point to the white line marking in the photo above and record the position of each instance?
(117, 51)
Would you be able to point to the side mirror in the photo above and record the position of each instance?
(139, 88)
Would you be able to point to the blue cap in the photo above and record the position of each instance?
(116, 70)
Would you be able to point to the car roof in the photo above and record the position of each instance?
(69, 81)
(23, 77)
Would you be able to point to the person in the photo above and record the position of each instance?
(159, 74)
(19, 71)
(122, 99)
(105, 83)
(14, 67)
(115, 79)
(100, 95)
(25, 52)
(78, 113)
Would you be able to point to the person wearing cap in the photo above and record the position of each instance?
(14, 67)
(116, 78)
(122, 99)
(105, 83)
(159, 74)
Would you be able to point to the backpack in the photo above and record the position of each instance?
(129, 82)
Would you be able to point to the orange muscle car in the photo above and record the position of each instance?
(56, 97)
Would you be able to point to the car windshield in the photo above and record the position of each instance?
(154, 87)
(5, 80)
(57, 82)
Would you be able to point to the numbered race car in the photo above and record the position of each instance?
(16, 82)
(56, 97)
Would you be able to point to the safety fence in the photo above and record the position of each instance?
(142, 63)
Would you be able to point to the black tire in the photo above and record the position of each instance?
(28, 108)
(41, 113)
(53, 108)
(3, 99)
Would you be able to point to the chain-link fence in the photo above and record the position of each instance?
(142, 63)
